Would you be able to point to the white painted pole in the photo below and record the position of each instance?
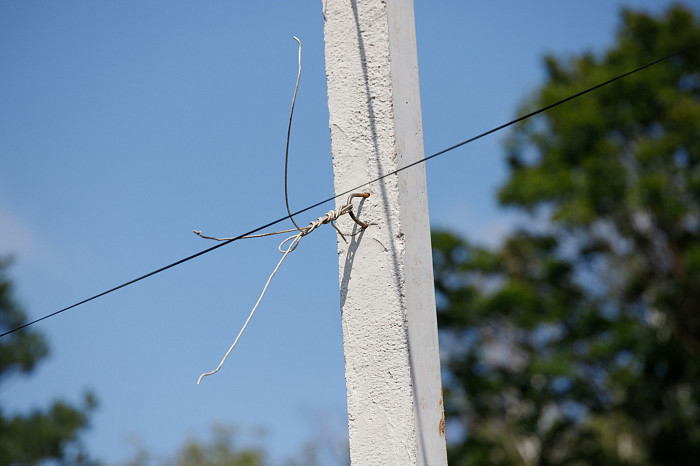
(392, 365)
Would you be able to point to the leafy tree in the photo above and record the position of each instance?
(223, 449)
(51, 434)
(577, 341)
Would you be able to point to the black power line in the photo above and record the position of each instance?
(356, 188)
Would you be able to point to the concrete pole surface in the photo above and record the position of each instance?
(392, 365)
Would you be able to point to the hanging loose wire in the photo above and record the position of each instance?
(289, 130)
(330, 217)
(359, 187)
(290, 248)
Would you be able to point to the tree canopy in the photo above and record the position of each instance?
(577, 341)
(226, 447)
(40, 435)
(221, 450)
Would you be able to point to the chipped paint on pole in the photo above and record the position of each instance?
(392, 366)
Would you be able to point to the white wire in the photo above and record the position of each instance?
(291, 247)
(330, 217)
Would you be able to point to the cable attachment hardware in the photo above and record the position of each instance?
(349, 203)
(332, 216)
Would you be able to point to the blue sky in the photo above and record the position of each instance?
(126, 125)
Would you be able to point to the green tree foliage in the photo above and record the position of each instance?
(224, 448)
(221, 451)
(40, 435)
(577, 341)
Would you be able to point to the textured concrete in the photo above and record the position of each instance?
(392, 366)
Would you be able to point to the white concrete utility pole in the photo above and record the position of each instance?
(392, 365)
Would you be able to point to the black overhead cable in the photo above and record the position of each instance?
(356, 188)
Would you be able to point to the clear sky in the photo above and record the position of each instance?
(126, 125)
